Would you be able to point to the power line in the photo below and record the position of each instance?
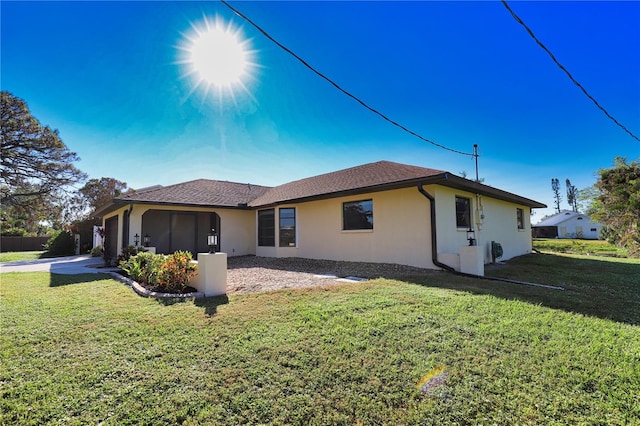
(517, 18)
(334, 84)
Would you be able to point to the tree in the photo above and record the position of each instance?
(34, 161)
(617, 204)
(572, 195)
(79, 208)
(94, 194)
(557, 199)
(464, 175)
(587, 199)
(30, 219)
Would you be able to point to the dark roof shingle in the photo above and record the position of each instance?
(200, 192)
(364, 178)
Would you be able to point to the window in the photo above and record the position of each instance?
(287, 227)
(463, 212)
(266, 228)
(594, 229)
(520, 218)
(357, 215)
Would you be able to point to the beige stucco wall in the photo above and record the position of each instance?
(401, 231)
(238, 236)
(499, 224)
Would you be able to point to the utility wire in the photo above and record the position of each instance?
(334, 84)
(517, 18)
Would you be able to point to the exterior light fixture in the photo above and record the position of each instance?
(136, 239)
(146, 240)
(471, 236)
(212, 240)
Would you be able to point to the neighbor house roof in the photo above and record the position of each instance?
(559, 218)
(367, 178)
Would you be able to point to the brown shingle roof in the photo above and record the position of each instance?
(367, 178)
(200, 192)
(360, 179)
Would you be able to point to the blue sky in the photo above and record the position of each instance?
(107, 76)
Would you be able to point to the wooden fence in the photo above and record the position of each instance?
(22, 243)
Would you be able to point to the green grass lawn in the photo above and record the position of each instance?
(576, 246)
(20, 255)
(87, 350)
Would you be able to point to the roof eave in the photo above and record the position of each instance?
(344, 193)
(457, 182)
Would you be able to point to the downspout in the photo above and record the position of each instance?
(434, 239)
(434, 251)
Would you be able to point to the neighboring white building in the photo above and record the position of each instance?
(567, 224)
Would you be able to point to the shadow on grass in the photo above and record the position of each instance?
(599, 287)
(58, 280)
(210, 304)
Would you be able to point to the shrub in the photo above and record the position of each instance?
(129, 251)
(143, 267)
(96, 251)
(170, 273)
(61, 243)
(176, 272)
(133, 268)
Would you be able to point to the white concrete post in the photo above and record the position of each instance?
(472, 260)
(212, 273)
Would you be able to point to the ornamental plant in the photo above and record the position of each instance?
(129, 251)
(169, 273)
(176, 272)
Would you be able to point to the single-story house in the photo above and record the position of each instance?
(382, 212)
(567, 224)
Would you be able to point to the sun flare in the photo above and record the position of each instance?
(217, 57)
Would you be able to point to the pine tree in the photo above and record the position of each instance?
(572, 195)
(557, 198)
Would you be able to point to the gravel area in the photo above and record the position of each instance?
(248, 274)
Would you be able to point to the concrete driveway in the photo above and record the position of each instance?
(83, 264)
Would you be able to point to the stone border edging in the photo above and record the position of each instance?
(148, 293)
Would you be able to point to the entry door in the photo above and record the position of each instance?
(184, 232)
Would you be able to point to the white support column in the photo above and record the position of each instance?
(212, 273)
(135, 222)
